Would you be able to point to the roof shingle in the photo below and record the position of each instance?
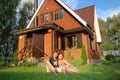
(87, 14)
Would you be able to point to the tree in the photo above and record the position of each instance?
(114, 30)
(110, 32)
(25, 14)
(106, 43)
(7, 24)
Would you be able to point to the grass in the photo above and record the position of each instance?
(87, 72)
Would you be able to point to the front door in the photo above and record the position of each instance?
(38, 45)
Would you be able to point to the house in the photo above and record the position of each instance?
(56, 26)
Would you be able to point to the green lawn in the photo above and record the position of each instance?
(87, 72)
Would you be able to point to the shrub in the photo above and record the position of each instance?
(107, 62)
(68, 55)
(84, 55)
(110, 57)
(117, 59)
(27, 63)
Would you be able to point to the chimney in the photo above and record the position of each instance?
(35, 8)
(35, 5)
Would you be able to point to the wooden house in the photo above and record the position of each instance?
(54, 26)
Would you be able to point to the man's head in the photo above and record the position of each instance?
(55, 54)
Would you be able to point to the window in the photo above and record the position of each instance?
(74, 41)
(70, 41)
(48, 17)
(42, 18)
(45, 18)
(59, 14)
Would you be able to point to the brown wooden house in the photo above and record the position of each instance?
(56, 26)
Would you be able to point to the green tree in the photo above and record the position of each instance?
(25, 14)
(114, 30)
(8, 11)
(104, 29)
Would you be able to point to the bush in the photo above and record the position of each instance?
(107, 62)
(84, 55)
(13, 62)
(27, 63)
(68, 55)
(117, 59)
(109, 57)
(2, 63)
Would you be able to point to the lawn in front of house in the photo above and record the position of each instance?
(87, 72)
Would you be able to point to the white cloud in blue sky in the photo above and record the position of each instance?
(104, 14)
(108, 13)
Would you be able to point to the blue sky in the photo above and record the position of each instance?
(104, 8)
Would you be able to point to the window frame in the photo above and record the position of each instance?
(75, 42)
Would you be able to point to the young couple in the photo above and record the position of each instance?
(57, 63)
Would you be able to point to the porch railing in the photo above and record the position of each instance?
(27, 51)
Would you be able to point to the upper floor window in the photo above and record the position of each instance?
(48, 17)
(59, 14)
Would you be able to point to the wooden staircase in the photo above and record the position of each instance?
(34, 51)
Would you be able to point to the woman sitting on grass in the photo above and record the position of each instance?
(65, 66)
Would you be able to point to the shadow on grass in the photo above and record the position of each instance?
(101, 72)
(59, 76)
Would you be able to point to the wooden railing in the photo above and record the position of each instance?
(40, 50)
(26, 51)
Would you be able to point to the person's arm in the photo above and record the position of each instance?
(67, 63)
(50, 66)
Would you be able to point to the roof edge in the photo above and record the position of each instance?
(35, 14)
(72, 12)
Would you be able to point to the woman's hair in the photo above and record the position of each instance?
(59, 51)
(62, 55)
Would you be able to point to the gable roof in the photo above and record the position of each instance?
(87, 14)
(90, 16)
(64, 6)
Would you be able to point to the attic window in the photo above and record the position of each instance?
(48, 17)
(59, 14)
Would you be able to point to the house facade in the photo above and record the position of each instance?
(56, 26)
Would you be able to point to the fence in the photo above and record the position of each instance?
(113, 52)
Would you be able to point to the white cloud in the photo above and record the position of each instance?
(108, 13)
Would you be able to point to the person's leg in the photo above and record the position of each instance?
(64, 70)
(49, 67)
(72, 69)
